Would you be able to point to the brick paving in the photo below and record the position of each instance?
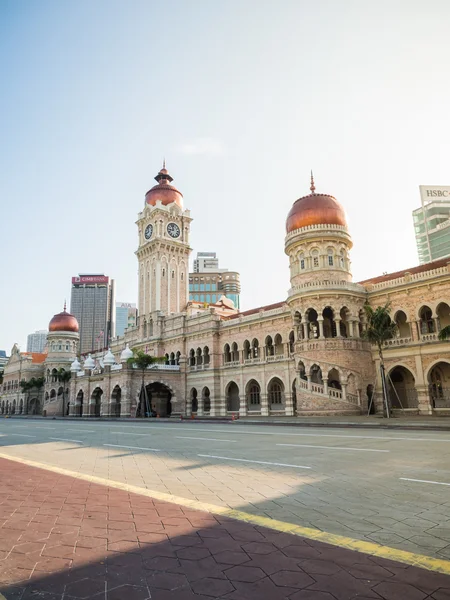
(63, 538)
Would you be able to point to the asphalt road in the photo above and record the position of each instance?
(388, 487)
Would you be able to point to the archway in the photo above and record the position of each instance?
(275, 394)
(96, 405)
(401, 387)
(52, 395)
(302, 371)
(426, 320)
(312, 324)
(206, 400)
(345, 317)
(20, 406)
(116, 401)
(79, 404)
(400, 319)
(329, 326)
(316, 374)
(334, 380)
(253, 395)
(270, 349)
(443, 313)
(159, 396)
(439, 385)
(194, 400)
(232, 397)
(34, 407)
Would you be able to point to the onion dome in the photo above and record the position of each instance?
(89, 363)
(75, 366)
(109, 359)
(315, 209)
(63, 321)
(163, 191)
(126, 354)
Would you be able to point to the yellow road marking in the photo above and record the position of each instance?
(409, 558)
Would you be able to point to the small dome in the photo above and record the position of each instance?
(163, 191)
(89, 363)
(63, 321)
(75, 366)
(126, 354)
(109, 359)
(315, 209)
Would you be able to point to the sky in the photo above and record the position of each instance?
(243, 98)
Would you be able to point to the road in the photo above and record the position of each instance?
(388, 487)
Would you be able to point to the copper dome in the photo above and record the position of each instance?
(163, 190)
(315, 209)
(63, 321)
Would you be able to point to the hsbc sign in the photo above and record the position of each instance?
(82, 279)
(429, 193)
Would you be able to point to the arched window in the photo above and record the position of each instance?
(426, 320)
(226, 353)
(275, 392)
(178, 357)
(254, 393)
(330, 257)
(206, 355)
(302, 261)
(192, 358)
(315, 258)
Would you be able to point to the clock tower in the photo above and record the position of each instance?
(163, 252)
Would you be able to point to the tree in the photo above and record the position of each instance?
(444, 333)
(63, 377)
(142, 361)
(380, 328)
(27, 386)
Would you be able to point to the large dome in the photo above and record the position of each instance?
(63, 321)
(315, 209)
(163, 190)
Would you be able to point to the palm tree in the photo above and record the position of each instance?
(380, 328)
(444, 333)
(63, 377)
(142, 361)
(27, 386)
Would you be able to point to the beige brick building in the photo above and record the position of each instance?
(305, 355)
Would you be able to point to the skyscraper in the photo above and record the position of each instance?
(36, 341)
(208, 283)
(126, 314)
(432, 223)
(92, 303)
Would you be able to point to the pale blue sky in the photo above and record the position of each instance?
(243, 98)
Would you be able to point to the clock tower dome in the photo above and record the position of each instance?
(163, 252)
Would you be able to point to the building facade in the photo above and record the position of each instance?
(432, 223)
(206, 262)
(126, 316)
(92, 302)
(36, 341)
(208, 283)
(305, 355)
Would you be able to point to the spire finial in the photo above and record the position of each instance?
(164, 162)
(313, 187)
(65, 305)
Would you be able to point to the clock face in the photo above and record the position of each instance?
(148, 232)
(173, 230)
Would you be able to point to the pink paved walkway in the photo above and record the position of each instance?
(65, 539)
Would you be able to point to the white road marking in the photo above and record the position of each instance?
(257, 462)
(182, 437)
(282, 433)
(22, 435)
(66, 440)
(125, 433)
(424, 481)
(28, 426)
(82, 430)
(132, 447)
(331, 447)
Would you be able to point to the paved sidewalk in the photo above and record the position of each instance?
(433, 423)
(62, 538)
